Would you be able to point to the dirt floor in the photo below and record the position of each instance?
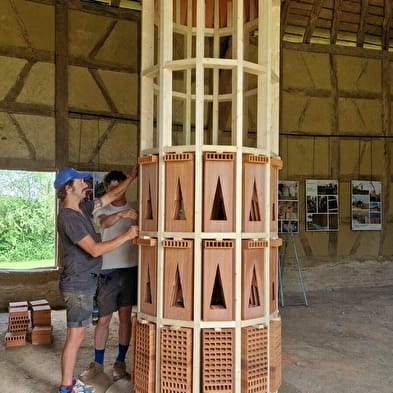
(341, 343)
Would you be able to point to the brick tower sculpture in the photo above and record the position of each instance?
(208, 317)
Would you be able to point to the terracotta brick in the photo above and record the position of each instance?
(41, 335)
(254, 199)
(17, 304)
(41, 315)
(15, 339)
(273, 262)
(40, 302)
(16, 312)
(275, 165)
(218, 360)
(253, 273)
(149, 192)
(275, 354)
(217, 280)
(178, 279)
(145, 357)
(176, 360)
(148, 284)
(254, 359)
(218, 192)
(134, 321)
(179, 192)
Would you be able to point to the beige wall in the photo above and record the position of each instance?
(336, 124)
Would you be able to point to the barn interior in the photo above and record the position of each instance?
(64, 65)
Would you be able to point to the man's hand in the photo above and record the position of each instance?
(134, 172)
(132, 232)
(129, 213)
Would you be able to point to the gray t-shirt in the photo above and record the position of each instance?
(79, 266)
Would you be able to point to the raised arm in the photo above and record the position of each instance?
(110, 196)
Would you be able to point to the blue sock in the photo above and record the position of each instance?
(99, 355)
(122, 353)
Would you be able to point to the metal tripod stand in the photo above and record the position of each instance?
(281, 262)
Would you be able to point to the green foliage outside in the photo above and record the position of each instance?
(27, 217)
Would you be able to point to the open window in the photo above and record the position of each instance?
(27, 220)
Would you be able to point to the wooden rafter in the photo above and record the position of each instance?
(284, 16)
(362, 23)
(316, 9)
(336, 20)
(387, 21)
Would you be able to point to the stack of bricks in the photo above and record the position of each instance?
(41, 332)
(18, 323)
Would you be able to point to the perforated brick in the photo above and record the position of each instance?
(176, 360)
(15, 339)
(275, 354)
(254, 377)
(145, 360)
(134, 321)
(18, 326)
(218, 360)
(18, 312)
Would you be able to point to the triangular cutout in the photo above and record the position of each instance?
(149, 206)
(180, 213)
(255, 214)
(148, 297)
(218, 299)
(254, 300)
(177, 295)
(218, 211)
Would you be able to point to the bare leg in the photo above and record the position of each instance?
(70, 352)
(124, 325)
(101, 331)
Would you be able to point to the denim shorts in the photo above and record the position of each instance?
(117, 289)
(79, 306)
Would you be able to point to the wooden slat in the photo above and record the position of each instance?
(61, 83)
(336, 20)
(316, 9)
(362, 23)
(387, 22)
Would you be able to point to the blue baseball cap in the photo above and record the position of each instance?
(67, 174)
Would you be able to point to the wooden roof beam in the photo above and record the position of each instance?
(316, 9)
(284, 16)
(387, 21)
(362, 23)
(336, 20)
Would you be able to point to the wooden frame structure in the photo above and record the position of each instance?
(210, 86)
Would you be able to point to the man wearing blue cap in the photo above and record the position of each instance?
(81, 256)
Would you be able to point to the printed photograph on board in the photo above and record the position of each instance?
(322, 205)
(288, 206)
(366, 205)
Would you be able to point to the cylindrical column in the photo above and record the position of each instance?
(209, 172)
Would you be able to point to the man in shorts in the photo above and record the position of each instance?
(118, 282)
(81, 256)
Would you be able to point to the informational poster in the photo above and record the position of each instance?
(96, 185)
(366, 205)
(321, 205)
(288, 206)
